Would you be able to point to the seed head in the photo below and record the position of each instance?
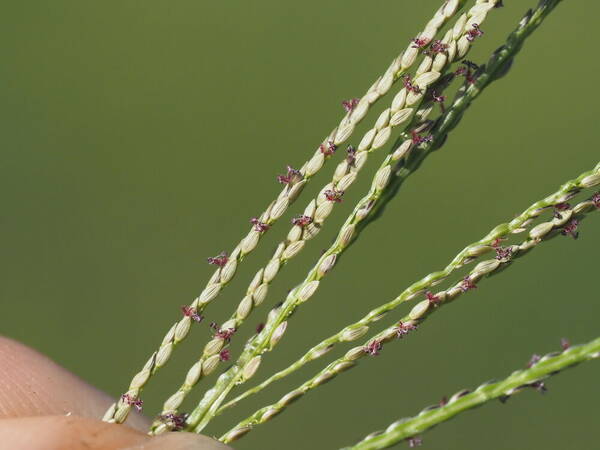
(302, 221)
(570, 229)
(259, 226)
(219, 260)
(349, 105)
(188, 311)
(333, 195)
(373, 348)
(474, 32)
(132, 401)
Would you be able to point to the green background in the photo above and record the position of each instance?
(140, 136)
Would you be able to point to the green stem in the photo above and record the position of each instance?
(516, 382)
(417, 315)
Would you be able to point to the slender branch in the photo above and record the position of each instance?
(422, 310)
(518, 381)
(250, 359)
(296, 180)
(402, 109)
(486, 244)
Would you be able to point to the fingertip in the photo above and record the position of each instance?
(79, 433)
(65, 432)
(184, 441)
(31, 384)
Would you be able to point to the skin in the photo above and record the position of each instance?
(45, 407)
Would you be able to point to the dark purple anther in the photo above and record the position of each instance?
(259, 226)
(417, 139)
(434, 300)
(293, 176)
(474, 32)
(219, 260)
(175, 422)
(302, 221)
(132, 401)
(467, 72)
(349, 105)
(188, 311)
(408, 84)
(503, 253)
(350, 155)
(373, 348)
(467, 284)
(571, 229)
(402, 329)
(225, 334)
(438, 98)
(328, 149)
(333, 195)
(438, 46)
(419, 42)
(225, 355)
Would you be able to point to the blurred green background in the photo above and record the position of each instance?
(140, 136)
